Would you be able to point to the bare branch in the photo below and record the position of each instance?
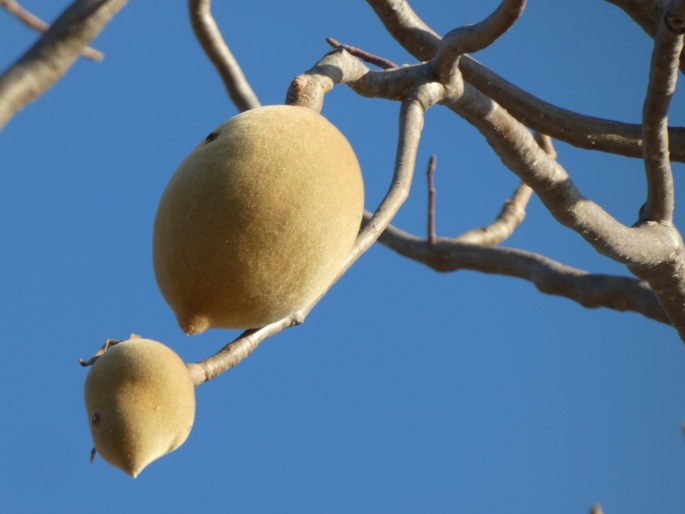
(576, 129)
(53, 54)
(520, 153)
(668, 45)
(407, 28)
(582, 131)
(472, 38)
(661, 265)
(654, 252)
(209, 36)
(36, 23)
(548, 276)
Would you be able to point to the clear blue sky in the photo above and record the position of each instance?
(406, 390)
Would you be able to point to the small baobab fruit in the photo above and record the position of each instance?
(257, 220)
(140, 402)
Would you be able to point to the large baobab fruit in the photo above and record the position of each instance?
(140, 402)
(257, 220)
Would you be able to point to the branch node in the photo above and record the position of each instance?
(674, 23)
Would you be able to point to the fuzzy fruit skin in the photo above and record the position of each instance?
(140, 402)
(257, 220)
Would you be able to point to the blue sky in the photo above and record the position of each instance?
(405, 390)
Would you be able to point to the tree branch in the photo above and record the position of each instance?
(548, 276)
(587, 132)
(642, 248)
(36, 23)
(654, 252)
(520, 153)
(582, 131)
(209, 36)
(53, 54)
(407, 28)
(668, 45)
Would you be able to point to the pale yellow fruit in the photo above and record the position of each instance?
(257, 220)
(140, 403)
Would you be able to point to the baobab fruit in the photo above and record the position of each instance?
(257, 220)
(140, 402)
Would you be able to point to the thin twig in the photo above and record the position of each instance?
(430, 173)
(365, 56)
(209, 36)
(234, 352)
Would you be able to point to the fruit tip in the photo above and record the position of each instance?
(194, 325)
